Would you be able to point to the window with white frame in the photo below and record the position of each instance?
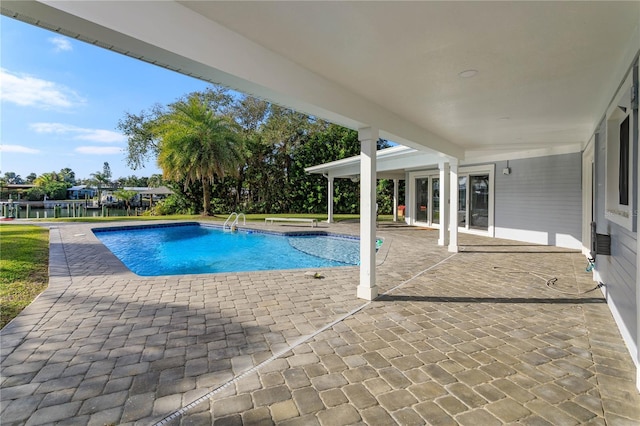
(620, 152)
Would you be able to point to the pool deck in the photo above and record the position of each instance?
(471, 338)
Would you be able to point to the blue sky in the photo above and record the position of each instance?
(61, 100)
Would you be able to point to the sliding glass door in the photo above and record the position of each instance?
(479, 202)
(422, 200)
(435, 200)
(427, 200)
(474, 199)
(462, 201)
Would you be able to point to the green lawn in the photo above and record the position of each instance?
(24, 264)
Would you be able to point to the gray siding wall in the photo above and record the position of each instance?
(541, 197)
(617, 271)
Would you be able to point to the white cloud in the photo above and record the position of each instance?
(52, 127)
(102, 150)
(99, 135)
(19, 149)
(60, 44)
(79, 133)
(25, 90)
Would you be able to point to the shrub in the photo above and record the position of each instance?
(35, 194)
(171, 205)
(56, 190)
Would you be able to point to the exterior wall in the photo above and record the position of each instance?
(540, 201)
(618, 271)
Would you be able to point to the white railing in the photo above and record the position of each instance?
(234, 223)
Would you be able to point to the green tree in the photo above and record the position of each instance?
(31, 177)
(106, 171)
(127, 196)
(132, 180)
(281, 135)
(35, 194)
(155, 181)
(4, 193)
(100, 180)
(196, 145)
(46, 178)
(12, 178)
(142, 129)
(333, 143)
(67, 175)
(142, 140)
(53, 185)
(276, 145)
(250, 113)
(56, 190)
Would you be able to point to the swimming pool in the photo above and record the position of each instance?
(200, 249)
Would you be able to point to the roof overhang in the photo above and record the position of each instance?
(183, 40)
(391, 163)
(394, 162)
(547, 70)
(161, 190)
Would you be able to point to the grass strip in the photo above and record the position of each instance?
(24, 265)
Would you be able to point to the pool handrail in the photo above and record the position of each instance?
(235, 221)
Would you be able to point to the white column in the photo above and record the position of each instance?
(445, 192)
(367, 288)
(395, 199)
(453, 206)
(329, 199)
(408, 187)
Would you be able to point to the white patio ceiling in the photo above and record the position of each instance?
(545, 70)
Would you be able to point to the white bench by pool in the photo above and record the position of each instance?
(313, 222)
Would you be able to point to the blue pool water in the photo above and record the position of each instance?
(196, 249)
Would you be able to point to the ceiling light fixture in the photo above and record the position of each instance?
(468, 73)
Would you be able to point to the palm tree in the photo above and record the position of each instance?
(155, 181)
(99, 179)
(46, 178)
(126, 196)
(196, 145)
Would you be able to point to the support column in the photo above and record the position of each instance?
(395, 199)
(453, 206)
(367, 288)
(329, 199)
(445, 193)
(408, 187)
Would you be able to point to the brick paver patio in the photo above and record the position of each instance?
(472, 338)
